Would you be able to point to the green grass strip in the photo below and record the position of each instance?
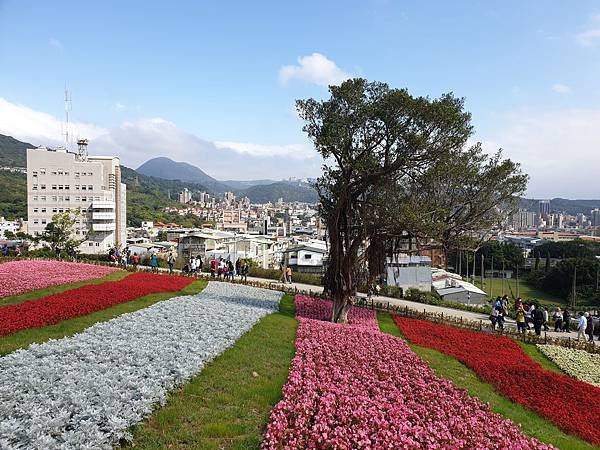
(24, 338)
(535, 354)
(451, 369)
(33, 295)
(225, 406)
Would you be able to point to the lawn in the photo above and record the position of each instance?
(463, 377)
(32, 295)
(24, 338)
(227, 405)
(495, 287)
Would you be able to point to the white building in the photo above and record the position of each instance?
(185, 196)
(306, 257)
(409, 272)
(59, 181)
(8, 225)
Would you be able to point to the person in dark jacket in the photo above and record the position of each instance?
(538, 320)
(567, 321)
(590, 328)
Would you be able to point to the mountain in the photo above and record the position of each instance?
(168, 169)
(561, 205)
(288, 191)
(12, 152)
(239, 185)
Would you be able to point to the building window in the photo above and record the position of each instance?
(67, 199)
(34, 187)
(42, 171)
(35, 173)
(43, 210)
(43, 186)
(67, 186)
(90, 174)
(66, 173)
(35, 199)
(43, 198)
(91, 244)
(54, 187)
(60, 198)
(60, 172)
(35, 210)
(60, 186)
(84, 199)
(54, 198)
(35, 221)
(53, 172)
(83, 187)
(54, 210)
(90, 187)
(43, 221)
(307, 256)
(77, 198)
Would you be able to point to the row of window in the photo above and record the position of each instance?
(61, 198)
(42, 171)
(61, 187)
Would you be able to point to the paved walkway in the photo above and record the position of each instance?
(466, 315)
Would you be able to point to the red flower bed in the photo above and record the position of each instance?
(570, 404)
(84, 300)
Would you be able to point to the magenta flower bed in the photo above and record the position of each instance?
(22, 276)
(354, 387)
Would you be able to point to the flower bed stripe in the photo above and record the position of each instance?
(84, 300)
(22, 276)
(579, 364)
(500, 361)
(354, 387)
(85, 391)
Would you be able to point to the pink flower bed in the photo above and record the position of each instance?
(354, 387)
(315, 308)
(22, 276)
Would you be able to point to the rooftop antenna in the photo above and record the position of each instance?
(68, 107)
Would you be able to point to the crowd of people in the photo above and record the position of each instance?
(534, 317)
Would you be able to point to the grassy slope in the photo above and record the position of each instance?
(14, 299)
(463, 377)
(69, 327)
(493, 286)
(225, 406)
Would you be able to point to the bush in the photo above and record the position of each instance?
(275, 274)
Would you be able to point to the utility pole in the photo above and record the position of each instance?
(474, 259)
(467, 262)
(492, 280)
(574, 293)
(482, 272)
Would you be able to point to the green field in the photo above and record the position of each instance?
(496, 286)
(451, 369)
(227, 405)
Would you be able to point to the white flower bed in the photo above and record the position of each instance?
(85, 391)
(579, 364)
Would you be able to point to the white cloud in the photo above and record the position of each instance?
(296, 151)
(591, 35)
(558, 149)
(39, 128)
(561, 88)
(316, 69)
(120, 105)
(55, 43)
(137, 141)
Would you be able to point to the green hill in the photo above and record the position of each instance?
(13, 152)
(289, 192)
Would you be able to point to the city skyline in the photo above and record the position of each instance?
(215, 87)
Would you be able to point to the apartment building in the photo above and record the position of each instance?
(60, 181)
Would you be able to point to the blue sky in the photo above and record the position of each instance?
(206, 82)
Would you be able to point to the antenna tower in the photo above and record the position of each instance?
(66, 125)
(82, 152)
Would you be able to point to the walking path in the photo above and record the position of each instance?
(466, 315)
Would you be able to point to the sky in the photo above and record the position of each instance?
(214, 83)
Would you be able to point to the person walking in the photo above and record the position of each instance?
(238, 266)
(288, 274)
(558, 317)
(529, 315)
(582, 325)
(546, 318)
(283, 276)
(567, 321)
(245, 269)
(198, 264)
(521, 326)
(590, 327)
(171, 262)
(230, 270)
(136, 260)
(124, 260)
(538, 320)
(494, 316)
(154, 263)
(192, 265)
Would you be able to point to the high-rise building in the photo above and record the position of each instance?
(595, 217)
(544, 208)
(523, 219)
(185, 196)
(90, 187)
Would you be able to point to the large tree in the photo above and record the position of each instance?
(59, 233)
(374, 140)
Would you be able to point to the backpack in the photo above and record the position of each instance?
(538, 315)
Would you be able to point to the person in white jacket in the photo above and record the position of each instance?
(582, 325)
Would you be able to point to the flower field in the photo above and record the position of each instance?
(578, 363)
(354, 387)
(85, 391)
(24, 276)
(84, 300)
(499, 360)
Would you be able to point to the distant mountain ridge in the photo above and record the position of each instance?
(561, 205)
(258, 191)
